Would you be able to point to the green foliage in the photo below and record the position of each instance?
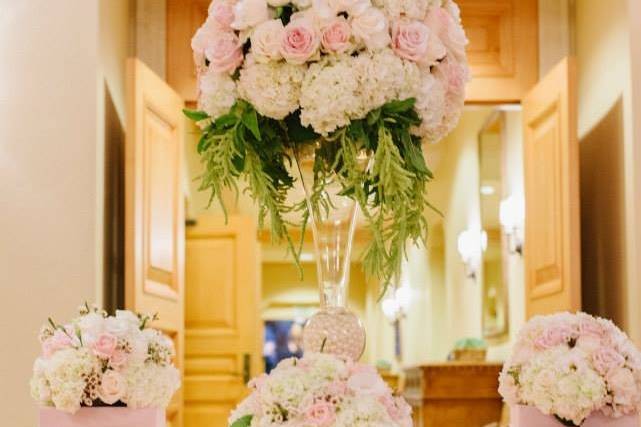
(377, 161)
(243, 421)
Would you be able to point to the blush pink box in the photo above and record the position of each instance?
(103, 417)
(528, 416)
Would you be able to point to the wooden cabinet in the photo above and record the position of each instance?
(503, 49)
(456, 394)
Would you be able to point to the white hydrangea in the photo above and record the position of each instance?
(150, 385)
(414, 9)
(273, 88)
(65, 373)
(363, 411)
(330, 94)
(217, 93)
(384, 77)
(559, 382)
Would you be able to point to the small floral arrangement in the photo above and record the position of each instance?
(344, 76)
(321, 390)
(571, 365)
(101, 360)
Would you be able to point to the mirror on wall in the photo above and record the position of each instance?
(493, 278)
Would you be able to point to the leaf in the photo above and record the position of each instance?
(243, 421)
(203, 143)
(195, 115)
(297, 132)
(225, 121)
(250, 120)
(399, 106)
(373, 116)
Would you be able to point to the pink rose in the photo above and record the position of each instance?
(552, 337)
(105, 345)
(266, 39)
(623, 387)
(225, 53)
(300, 41)
(367, 383)
(450, 33)
(336, 35)
(58, 341)
(222, 13)
(112, 387)
(118, 359)
(320, 414)
(605, 359)
(410, 40)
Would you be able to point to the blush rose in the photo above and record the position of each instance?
(320, 414)
(105, 345)
(335, 37)
(371, 29)
(266, 39)
(410, 40)
(112, 387)
(300, 41)
(225, 53)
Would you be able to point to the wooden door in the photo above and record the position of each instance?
(552, 222)
(223, 330)
(154, 208)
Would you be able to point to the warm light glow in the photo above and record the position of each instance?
(512, 213)
(471, 245)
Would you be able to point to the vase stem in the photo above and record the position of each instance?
(334, 329)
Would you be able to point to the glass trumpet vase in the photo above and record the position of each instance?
(334, 329)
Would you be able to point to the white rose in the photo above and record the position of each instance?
(371, 29)
(266, 40)
(113, 387)
(249, 13)
(129, 317)
(351, 7)
(91, 326)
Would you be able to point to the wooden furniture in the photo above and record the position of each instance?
(456, 394)
(503, 49)
(552, 231)
(154, 209)
(223, 329)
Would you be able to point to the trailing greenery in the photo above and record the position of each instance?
(390, 188)
(243, 421)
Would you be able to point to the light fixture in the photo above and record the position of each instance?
(397, 303)
(512, 216)
(487, 190)
(471, 245)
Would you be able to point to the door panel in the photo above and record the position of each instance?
(154, 208)
(552, 231)
(223, 331)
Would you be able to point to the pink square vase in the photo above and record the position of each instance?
(103, 417)
(528, 416)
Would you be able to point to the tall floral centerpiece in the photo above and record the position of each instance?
(573, 370)
(337, 96)
(104, 371)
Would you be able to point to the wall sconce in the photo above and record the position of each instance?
(396, 305)
(471, 245)
(512, 216)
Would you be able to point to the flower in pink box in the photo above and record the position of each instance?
(103, 362)
(573, 370)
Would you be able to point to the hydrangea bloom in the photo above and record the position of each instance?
(322, 390)
(96, 359)
(571, 366)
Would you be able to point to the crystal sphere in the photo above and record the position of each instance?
(335, 331)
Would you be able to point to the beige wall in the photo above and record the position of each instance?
(48, 180)
(606, 131)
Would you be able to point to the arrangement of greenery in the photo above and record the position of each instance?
(391, 192)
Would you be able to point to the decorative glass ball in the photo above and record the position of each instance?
(335, 331)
